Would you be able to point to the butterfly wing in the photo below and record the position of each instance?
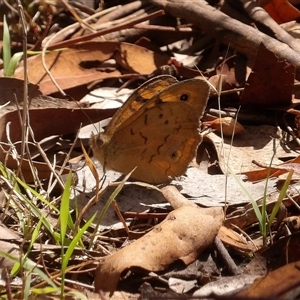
(139, 97)
(162, 136)
(100, 143)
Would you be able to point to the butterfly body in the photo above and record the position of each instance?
(159, 137)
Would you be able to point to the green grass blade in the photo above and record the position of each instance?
(74, 242)
(43, 291)
(6, 46)
(280, 197)
(64, 209)
(35, 233)
(13, 64)
(29, 265)
(37, 195)
(108, 203)
(26, 291)
(63, 221)
(253, 202)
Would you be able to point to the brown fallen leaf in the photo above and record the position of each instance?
(12, 90)
(70, 67)
(184, 234)
(283, 283)
(232, 238)
(282, 11)
(274, 171)
(44, 123)
(139, 59)
(229, 126)
(175, 198)
(271, 81)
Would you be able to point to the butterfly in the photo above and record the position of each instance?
(156, 130)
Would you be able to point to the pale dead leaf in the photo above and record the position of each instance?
(212, 191)
(225, 286)
(255, 143)
(181, 286)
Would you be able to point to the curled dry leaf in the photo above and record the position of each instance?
(184, 234)
(229, 126)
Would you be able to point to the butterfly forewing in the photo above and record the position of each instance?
(138, 98)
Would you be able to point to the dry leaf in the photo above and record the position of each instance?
(231, 238)
(10, 243)
(283, 283)
(224, 287)
(281, 11)
(271, 81)
(255, 143)
(139, 59)
(43, 125)
(70, 67)
(12, 90)
(229, 126)
(183, 235)
(274, 171)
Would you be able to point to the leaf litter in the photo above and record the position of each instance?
(163, 228)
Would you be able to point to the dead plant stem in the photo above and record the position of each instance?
(25, 117)
(125, 25)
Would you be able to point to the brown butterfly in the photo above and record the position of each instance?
(156, 130)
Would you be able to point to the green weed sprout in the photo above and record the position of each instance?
(10, 63)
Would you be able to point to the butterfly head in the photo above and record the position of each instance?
(98, 144)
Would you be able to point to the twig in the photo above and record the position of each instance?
(25, 117)
(124, 10)
(75, 15)
(88, 37)
(232, 268)
(164, 28)
(291, 131)
(258, 14)
(239, 36)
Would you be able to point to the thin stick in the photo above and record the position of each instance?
(25, 117)
(107, 30)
